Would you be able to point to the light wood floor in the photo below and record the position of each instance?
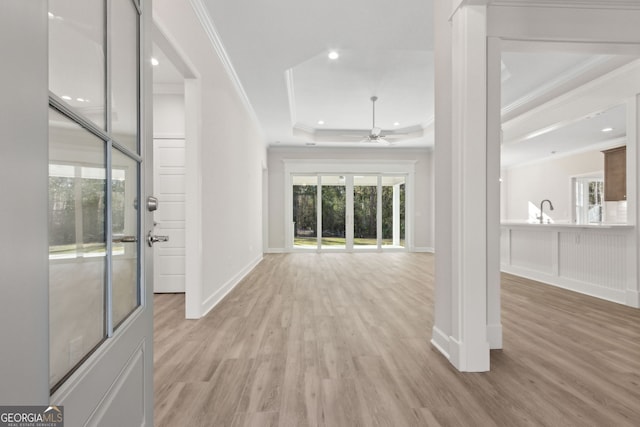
(343, 340)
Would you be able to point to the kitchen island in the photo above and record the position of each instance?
(594, 259)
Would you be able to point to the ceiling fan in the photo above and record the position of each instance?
(375, 135)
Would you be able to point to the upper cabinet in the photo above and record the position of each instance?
(615, 174)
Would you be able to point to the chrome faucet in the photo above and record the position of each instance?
(542, 212)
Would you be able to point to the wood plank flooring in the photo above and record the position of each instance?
(343, 340)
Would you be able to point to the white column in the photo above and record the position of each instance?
(465, 287)
(396, 215)
(494, 125)
(442, 178)
(633, 196)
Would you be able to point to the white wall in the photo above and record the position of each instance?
(423, 225)
(168, 115)
(549, 179)
(231, 154)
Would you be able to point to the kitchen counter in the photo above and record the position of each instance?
(594, 259)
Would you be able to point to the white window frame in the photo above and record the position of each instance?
(584, 178)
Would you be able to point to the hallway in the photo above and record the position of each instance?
(342, 340)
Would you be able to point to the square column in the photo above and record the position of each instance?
(632, 297)
(462, 264)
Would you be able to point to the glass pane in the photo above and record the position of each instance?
(365, 211)
(334, 198)
(124, 199)
(596, 198)
(393, 211)
(77, 193)
(124, 73)
(77, 56)
(305, 211)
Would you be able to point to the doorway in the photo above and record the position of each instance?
(176, 98)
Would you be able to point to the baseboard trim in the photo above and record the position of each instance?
(632, 298)
(275, 251)
(440, 340)
(426, 249)
(494, 336)
(613, 295)
(219, 295)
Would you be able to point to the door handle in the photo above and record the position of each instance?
(125, 239)
(152, 238)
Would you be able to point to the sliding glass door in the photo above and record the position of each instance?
(348, 212)
(393, 211)
(334, 212)
(305, 211)
(365, 212)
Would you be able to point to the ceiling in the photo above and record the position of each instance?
(279, 52)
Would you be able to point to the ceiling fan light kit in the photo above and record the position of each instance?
(376, 133)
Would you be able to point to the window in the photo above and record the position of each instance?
(393, 211)
(588, 195)
(77, 201)
(347, 211)
(334, 211)
(305, 210)
(365, 211)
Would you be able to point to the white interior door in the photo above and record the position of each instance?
(169, 178)
(100, 176)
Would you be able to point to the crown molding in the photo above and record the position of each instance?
(288, 75)
(202, 13)
(554, 84)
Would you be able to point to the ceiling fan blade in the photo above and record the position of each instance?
(369, 140)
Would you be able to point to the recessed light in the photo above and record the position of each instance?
(66, 97)
(333, 55)
(320, 122)
(51, 15)
(396, 123)
(154, 62)
(607, 129)
(80, 99)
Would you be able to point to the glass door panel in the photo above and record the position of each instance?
(334, 200)
(305, 211)
(365, 211)
(77, 56)
(124, 73)
(77, 245)
(393, 211)
(124, 218)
